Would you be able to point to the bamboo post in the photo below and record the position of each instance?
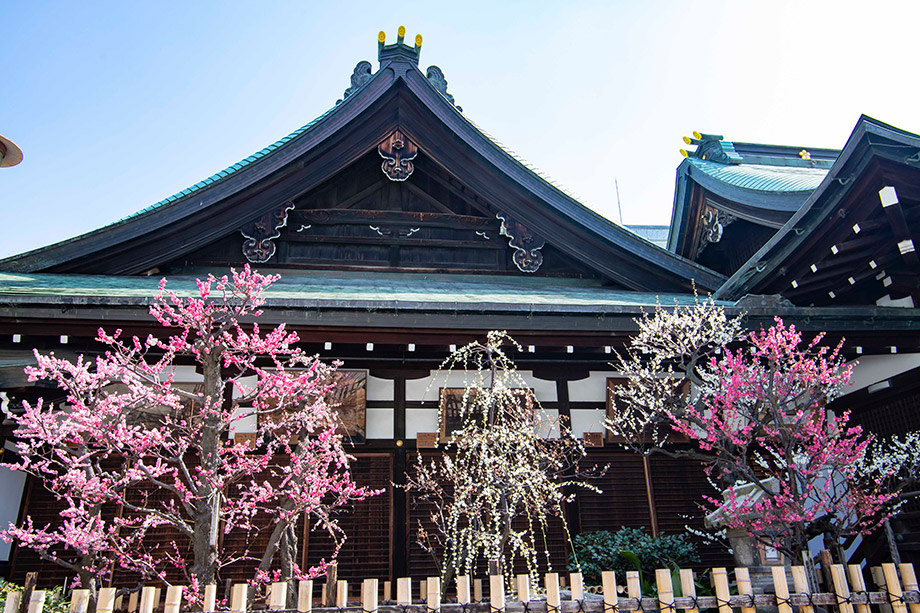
(609, 586)
(634, 586)
(463, 589)
(553, 603)
(404, 590)
(720, 583)
(369, 595)
(878, 577)
(893, 586)
(341, 594)
(157, 593)
(496, 593)
(688, 588)
(37, 601)
(119, 600)
(800, 581)
(743, 579)
(387, 590)
(523, 588)
(433, 594)
(12, 602)
(238, 598)
(305, 596)
(858, 584)
(578, 586)
(839, 578)
(477, 589)
(277, 598)
(146, 600)
(210, 598)
(173, 599)
(665, 590)
(331, 576)
(79, 601)
(909, 579)
(105, 603)
(781, 587)
(133, 602)
(322, 595)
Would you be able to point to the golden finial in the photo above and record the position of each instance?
(382, 37)
(697, 135)
(684, 153)
(402, 31)
(804, 154)
(418, 40)
(687, 140)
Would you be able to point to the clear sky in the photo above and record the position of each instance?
(117, 105)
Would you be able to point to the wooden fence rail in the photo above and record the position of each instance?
(897, 593)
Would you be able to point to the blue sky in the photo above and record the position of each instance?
(119, 104)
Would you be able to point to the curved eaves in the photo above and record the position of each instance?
(818, 206)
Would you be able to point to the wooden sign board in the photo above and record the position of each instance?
(593, 439)
(426, 440)
(241, 437)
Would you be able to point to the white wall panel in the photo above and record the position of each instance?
(428, 388)
(11, 484)
(587, 420)
(592, 389)
(421, 420)
(874, 368)
(379, 423)
(548, 423)
(379, 389)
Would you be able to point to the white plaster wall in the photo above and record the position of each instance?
(379, 389)
(184, 374)
(592, 389)
(548, 423)
(427, 388)
(587, 420)
(421, 420)
(874, 368)
(379, 423)
(11, 484)
(246, 421)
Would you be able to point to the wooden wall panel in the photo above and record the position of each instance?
(367, 552)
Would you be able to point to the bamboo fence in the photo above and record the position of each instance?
(897, 592)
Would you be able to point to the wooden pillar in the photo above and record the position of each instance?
(572, 510)
(399, 512)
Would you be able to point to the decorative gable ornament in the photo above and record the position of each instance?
(526, 244)
(259, 246)
(397, 152)
(436, 77)
(360, 76)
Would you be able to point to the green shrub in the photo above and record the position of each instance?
(600, 551)
(55, 600)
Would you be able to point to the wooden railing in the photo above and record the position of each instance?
(896, 592)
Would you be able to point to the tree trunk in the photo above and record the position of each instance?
(205, 551)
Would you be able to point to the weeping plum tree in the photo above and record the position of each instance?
(499, 479)
(755, 416)
(125, 432)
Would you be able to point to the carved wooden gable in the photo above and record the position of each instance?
(404, 213)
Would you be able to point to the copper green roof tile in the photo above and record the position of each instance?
(763, 178)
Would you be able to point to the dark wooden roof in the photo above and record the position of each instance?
(755, 188)
(843, 246)
(398, 96)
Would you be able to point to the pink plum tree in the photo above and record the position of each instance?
(755, 416)
(125, 434)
